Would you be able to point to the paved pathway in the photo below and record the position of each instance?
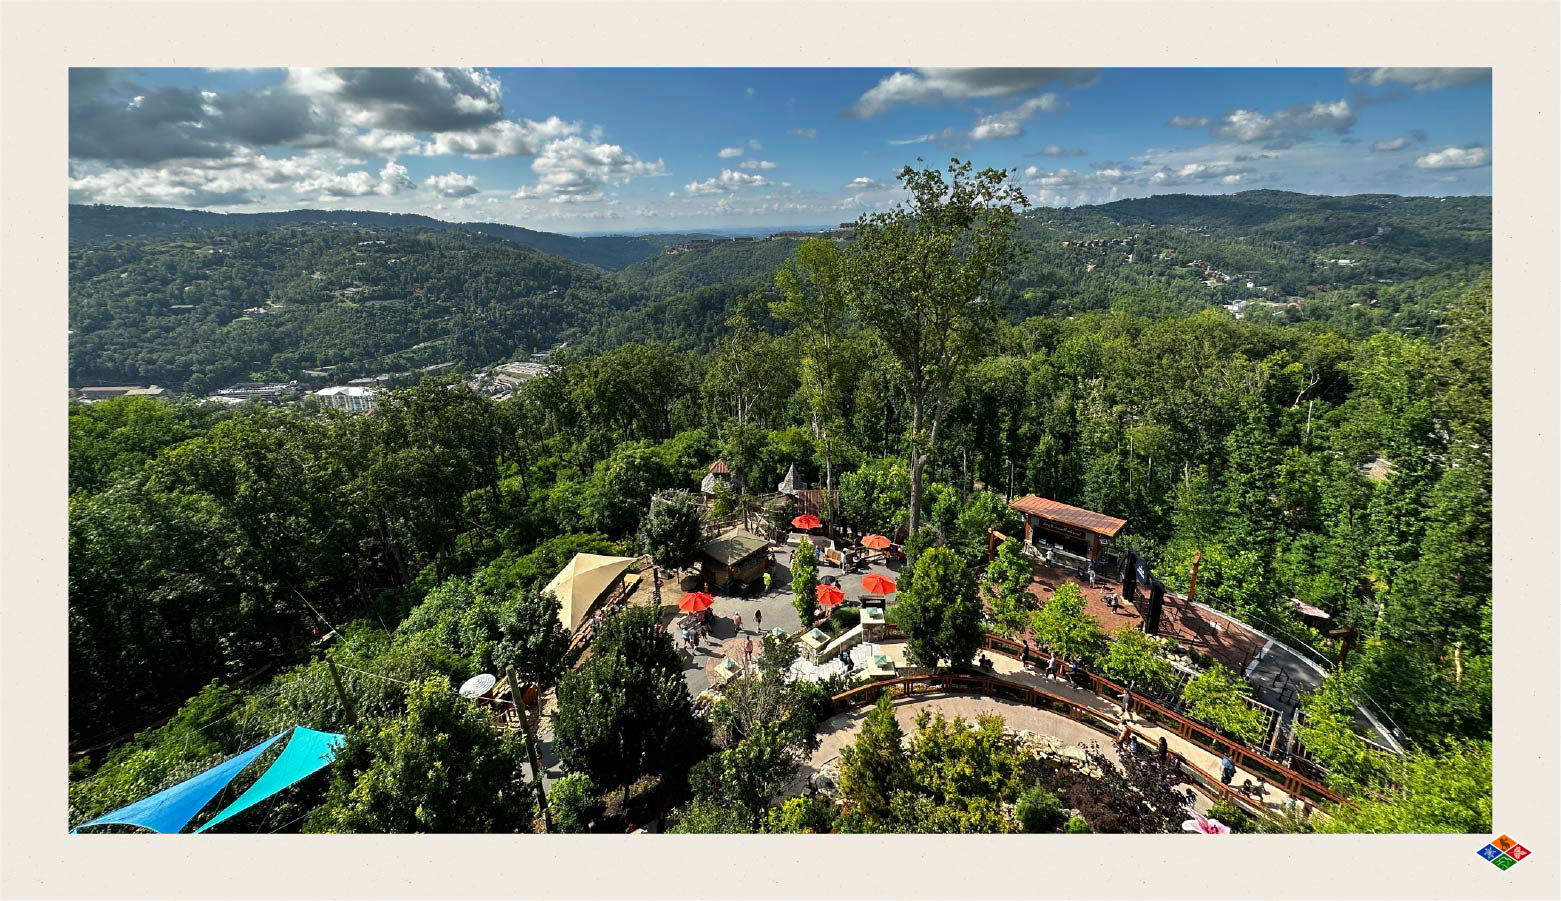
(842, 730)
(776, 606)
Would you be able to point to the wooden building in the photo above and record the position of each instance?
(736, 556)
(1081, 532)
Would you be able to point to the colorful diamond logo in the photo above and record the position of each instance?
(1504, 843)
(1490, 852)
(1517, 852)
(1504, 862)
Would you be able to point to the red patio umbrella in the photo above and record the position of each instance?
(829, 595)
(876, 584)
(696, 601)
(876, 542)
(807, 521)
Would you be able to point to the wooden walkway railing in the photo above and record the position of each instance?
(1275, 774)
(1249, 759)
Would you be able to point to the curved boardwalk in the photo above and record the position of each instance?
(1047, 723)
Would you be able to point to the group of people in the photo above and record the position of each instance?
(697, 631)
(1128, 742)
(1053, 664)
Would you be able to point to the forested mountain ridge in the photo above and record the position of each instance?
(97, 223)
(199, 312)
(171, 310)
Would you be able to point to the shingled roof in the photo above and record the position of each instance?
(734, 546)
(1088, 520)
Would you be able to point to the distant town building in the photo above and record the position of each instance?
(523, 372)
(97, 393)
(271, 392)
(351, 398)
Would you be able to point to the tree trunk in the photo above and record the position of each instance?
(917, 460)
(829, 489)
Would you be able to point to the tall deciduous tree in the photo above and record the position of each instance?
(1132, 657)
(940, 611)
(671, 532)
(1447, 793)
(1008, 587)
(924, 276)
(804, 579)
(815, 300)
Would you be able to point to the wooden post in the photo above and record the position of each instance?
(1346, 638)
(1192, 581)
(531, 743)
(991, 545)
(346, 702)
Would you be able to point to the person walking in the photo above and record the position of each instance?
(758, 620)
(737, 622)
(1227, 769)
(1164, 752)
(1051, 665)
(748, 650)
(1127, 705)
(766, 581)
(1073, 672)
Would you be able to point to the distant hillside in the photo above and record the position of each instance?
(715, 265)
(199, 311)
(98, 223)
(1456, 228)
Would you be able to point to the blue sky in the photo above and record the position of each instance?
(589, 150)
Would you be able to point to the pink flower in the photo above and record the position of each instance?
(1203, 824)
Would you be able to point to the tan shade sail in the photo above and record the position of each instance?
(578, 585)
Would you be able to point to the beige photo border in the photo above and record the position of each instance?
(41, 40)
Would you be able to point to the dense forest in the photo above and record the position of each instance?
(1339, 454)
(92, 224)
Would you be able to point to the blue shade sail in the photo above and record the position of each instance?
(307, 752)
(172, 808)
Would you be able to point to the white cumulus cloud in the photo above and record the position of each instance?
(507, 137)
(574, 170)
(729, 180)
(1290, 122)
(1421, 79)
(757, 164)
(1455, 158)
(1009, 123)
(452, 184)
(942, 85)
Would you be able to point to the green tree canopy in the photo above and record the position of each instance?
(625, 712)
(940, 612)
(1008, 581)
(441, 768)
(1063, 625)
(671, 532)
(1217, 696)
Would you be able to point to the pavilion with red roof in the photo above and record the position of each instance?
(1078, 531)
